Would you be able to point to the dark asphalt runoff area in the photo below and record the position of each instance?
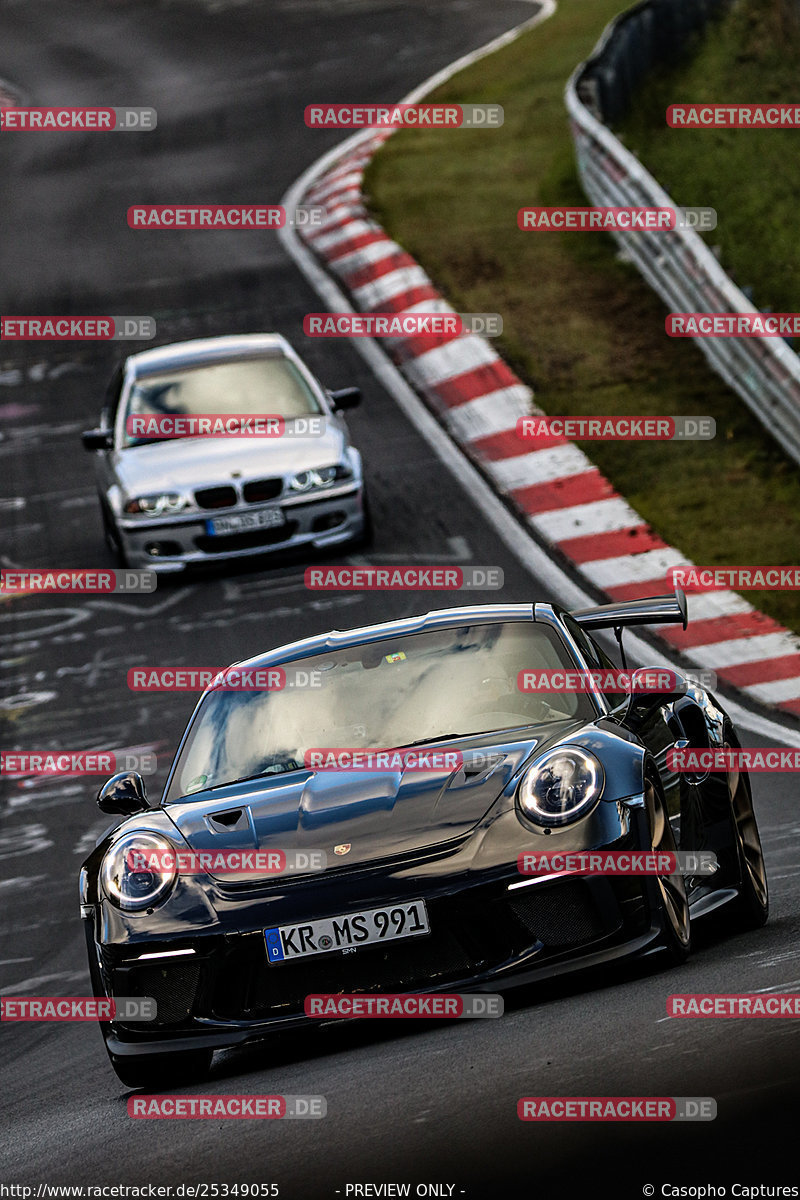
(408, 1103)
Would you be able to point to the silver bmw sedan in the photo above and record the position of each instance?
(223, 448)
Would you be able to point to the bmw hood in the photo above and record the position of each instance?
(181, 464)
(361, 816)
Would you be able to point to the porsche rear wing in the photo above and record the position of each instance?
(654, 610)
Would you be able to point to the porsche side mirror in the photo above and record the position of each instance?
(123, 793)
(346, 398)
(651, 686)
(97, 439)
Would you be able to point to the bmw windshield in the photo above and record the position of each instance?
(252, 386)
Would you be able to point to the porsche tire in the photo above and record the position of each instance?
(673, 901)
(750, 910)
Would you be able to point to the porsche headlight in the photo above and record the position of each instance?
(561, 786)
(319, 477)
(161, 504)
(139, 870)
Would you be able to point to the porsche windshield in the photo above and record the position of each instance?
(410, 689)
(254, 386)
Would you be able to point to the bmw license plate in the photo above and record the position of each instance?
(347, 931)
(267, 518)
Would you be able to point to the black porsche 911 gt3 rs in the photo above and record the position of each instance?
(421, 891)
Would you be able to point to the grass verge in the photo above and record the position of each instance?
(581, 327)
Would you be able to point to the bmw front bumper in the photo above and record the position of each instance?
(169, 545)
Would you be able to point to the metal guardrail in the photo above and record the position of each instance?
(676, 263)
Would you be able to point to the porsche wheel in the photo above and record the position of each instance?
(673, 901)
(750, 910)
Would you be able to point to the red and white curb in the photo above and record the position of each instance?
(556, 490)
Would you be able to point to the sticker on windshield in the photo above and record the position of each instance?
(398, 657)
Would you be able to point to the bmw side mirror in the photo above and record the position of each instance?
(123, 793)
(97, 439)
(346, 397)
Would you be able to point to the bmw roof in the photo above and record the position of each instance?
(208, 350)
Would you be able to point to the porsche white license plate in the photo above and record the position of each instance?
(267, 518)
(347, 931)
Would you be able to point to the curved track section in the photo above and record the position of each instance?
(435, 1104)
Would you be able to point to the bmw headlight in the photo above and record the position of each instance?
(159, 505)
(561, 786)
(319, 477)
(139, 870)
